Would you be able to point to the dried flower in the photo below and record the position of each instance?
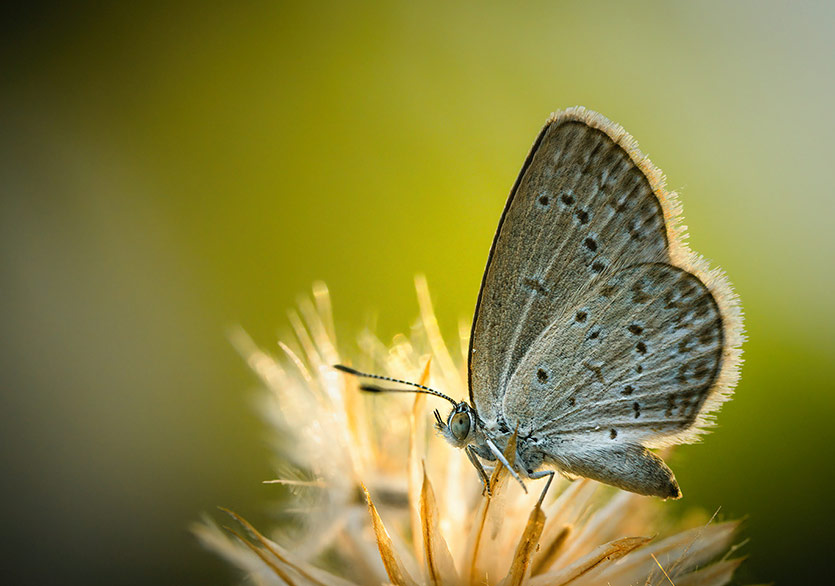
(377, 498)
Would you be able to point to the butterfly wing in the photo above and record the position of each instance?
(580, 205)
(638, 366)
(632, 367)
(597, 332)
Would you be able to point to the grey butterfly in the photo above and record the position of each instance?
(597, 333)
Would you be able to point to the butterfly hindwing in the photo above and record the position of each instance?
(637, 367)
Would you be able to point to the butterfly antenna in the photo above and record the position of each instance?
(375, 389)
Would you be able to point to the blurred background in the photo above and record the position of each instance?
(170, 169)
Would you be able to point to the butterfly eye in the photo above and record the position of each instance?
(460, 426)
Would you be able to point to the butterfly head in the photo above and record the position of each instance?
(460, 426)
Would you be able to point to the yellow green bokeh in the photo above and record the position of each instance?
(167, 172)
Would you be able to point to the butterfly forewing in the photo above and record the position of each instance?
(581, 210)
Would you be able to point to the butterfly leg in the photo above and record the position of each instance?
(543, 474)
(485, 480)
(498, 453)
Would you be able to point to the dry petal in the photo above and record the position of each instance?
(714, 575)
(677, 554)
(440, 568)
(417, 453)
(521, 565)
(285, 560)
(547, 555)
(394, 567)
(605, 554)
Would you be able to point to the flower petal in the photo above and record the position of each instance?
(676, 555)
(716, 574)
(284, 564)
(394, 567)
(450, 372)
(440, 568)
(521, 565)
(563, 517)
(417, 452)
(603, 555)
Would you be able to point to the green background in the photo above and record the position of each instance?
(168, 171)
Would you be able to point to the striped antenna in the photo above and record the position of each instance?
(376, 389)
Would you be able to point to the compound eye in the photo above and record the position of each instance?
(460, 426)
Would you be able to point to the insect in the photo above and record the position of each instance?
(597, 335)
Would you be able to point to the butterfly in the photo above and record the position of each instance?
(597, 335)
